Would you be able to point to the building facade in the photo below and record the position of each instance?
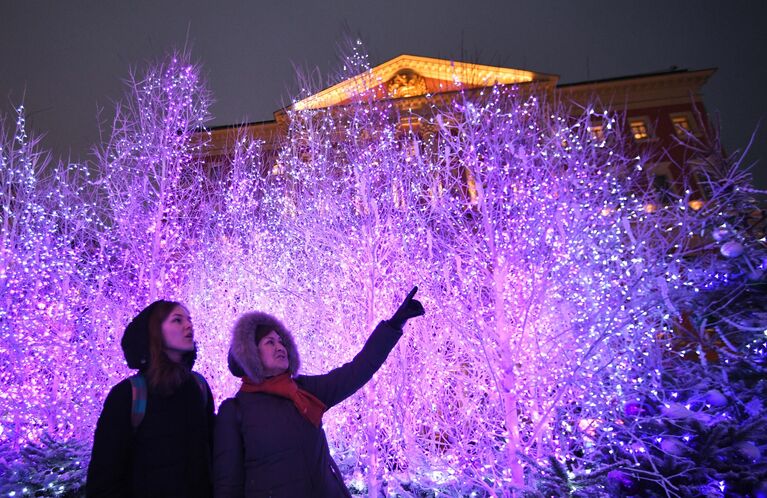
(659, 110)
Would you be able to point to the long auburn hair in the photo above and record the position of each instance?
(164, 375)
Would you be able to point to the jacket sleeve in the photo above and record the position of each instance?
(109, 471)
(228, 453)
(340, 383)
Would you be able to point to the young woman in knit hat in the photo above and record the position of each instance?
(154, 435)
(269, 439)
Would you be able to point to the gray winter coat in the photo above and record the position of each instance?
(262, 446)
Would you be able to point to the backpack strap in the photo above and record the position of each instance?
(138, 405)
(139, 393)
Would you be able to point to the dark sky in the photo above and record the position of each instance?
(68, 58)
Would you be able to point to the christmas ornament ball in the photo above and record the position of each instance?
(732, 249)
(720, 234)
(715, 398)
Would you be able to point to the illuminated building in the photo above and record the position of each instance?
(660, 109)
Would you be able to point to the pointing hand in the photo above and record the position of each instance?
(410, 308)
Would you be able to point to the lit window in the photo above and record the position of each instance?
(409, 124)
(682, 127)
(278, 168)
(696, 204)
(639, 129)
(398, 194)
(471, 188)
(597, 132)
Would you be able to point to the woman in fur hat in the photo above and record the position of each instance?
(154, 435)
(269, 439)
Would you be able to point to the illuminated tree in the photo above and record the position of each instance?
(552, 301)
(700, 431)
(47, 271)
(154, 179)
(583, 336)
(496, 224)
(529, 238)
(240, 263)
(81, 254)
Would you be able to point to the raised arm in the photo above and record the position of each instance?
(340, 383)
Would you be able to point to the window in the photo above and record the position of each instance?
(278, 168)
(683, 125)
(409, 124)
(703, 181)
(640, 130)
(597, 132)
(663, 183)
(471, 187)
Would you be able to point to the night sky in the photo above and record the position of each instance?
(67, 59)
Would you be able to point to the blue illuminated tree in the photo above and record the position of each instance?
(49, 263)
(82, 252)
(701, 430)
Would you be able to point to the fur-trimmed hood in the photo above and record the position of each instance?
(243, 352)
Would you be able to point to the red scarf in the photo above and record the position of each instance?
(284, 386)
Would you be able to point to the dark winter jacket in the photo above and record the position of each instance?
(168, 454)
(264, 448)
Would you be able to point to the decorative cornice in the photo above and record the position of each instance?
(670, 88)
(457, 73)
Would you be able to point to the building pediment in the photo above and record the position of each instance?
(411, 76)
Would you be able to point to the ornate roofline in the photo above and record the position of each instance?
(657, 89)
(462, 73)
